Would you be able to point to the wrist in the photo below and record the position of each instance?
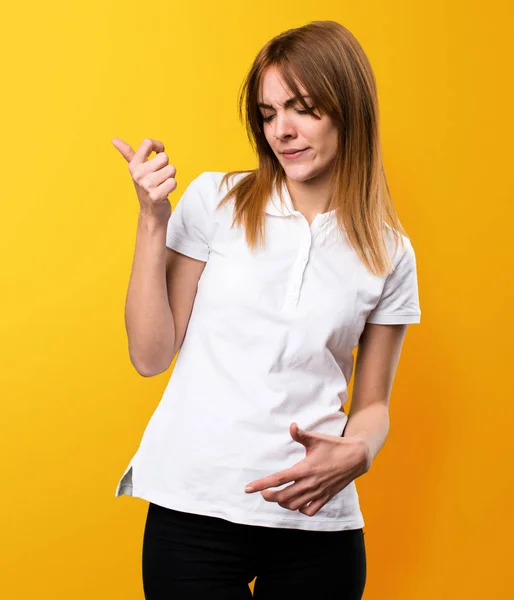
(151, 222)
(363, 449)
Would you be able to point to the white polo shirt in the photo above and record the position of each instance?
(269, 342)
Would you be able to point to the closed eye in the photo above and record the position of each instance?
(300, 112)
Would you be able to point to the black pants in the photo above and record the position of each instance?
(188, 557)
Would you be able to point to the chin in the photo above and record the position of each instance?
(300, 173)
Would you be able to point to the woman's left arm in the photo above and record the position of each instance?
(378, 355)
(332, 462)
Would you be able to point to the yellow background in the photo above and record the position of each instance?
(439, 497)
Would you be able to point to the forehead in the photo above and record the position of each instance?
(286, 103)
(273, 88)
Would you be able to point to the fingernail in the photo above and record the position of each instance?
(249, 488)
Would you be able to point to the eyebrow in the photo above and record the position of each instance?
(287, 103)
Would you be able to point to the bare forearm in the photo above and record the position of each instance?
(371, 424)
(148, 317)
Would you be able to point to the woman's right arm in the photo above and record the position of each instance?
(163, 282)
(160, 298)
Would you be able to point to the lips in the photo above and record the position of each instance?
(294, 155)
(294, 151)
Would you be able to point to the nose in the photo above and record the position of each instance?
(284, 126)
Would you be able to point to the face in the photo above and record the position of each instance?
(292, 127)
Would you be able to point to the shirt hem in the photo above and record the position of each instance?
(397, 319)
(312, 524)
(189, 250)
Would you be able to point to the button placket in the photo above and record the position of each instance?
(295, 283)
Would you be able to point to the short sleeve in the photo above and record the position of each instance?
(191, 222)
(399, 301)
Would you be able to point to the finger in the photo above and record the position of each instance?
(293, 491)
(314, 506)
(300, 496)
(148, 145)
(275, 480)
(125, 149)
(145, 149)
(157, 177)
(275, 495)
(155, 165)
(163, 190)
(299, 501)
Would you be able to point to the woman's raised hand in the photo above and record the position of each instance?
(153, 179)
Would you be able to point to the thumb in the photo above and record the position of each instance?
(297, 433)
(125, 149)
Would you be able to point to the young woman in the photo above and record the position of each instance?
(266, 281)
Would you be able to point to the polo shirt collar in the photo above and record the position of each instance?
(274, 206)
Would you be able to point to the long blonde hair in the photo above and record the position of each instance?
(332, 66)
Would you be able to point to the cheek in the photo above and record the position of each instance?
(268, 136)
(321, 137)
(327, 144)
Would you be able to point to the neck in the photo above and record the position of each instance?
(309, 197)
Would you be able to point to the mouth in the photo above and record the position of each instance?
(294, 154)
